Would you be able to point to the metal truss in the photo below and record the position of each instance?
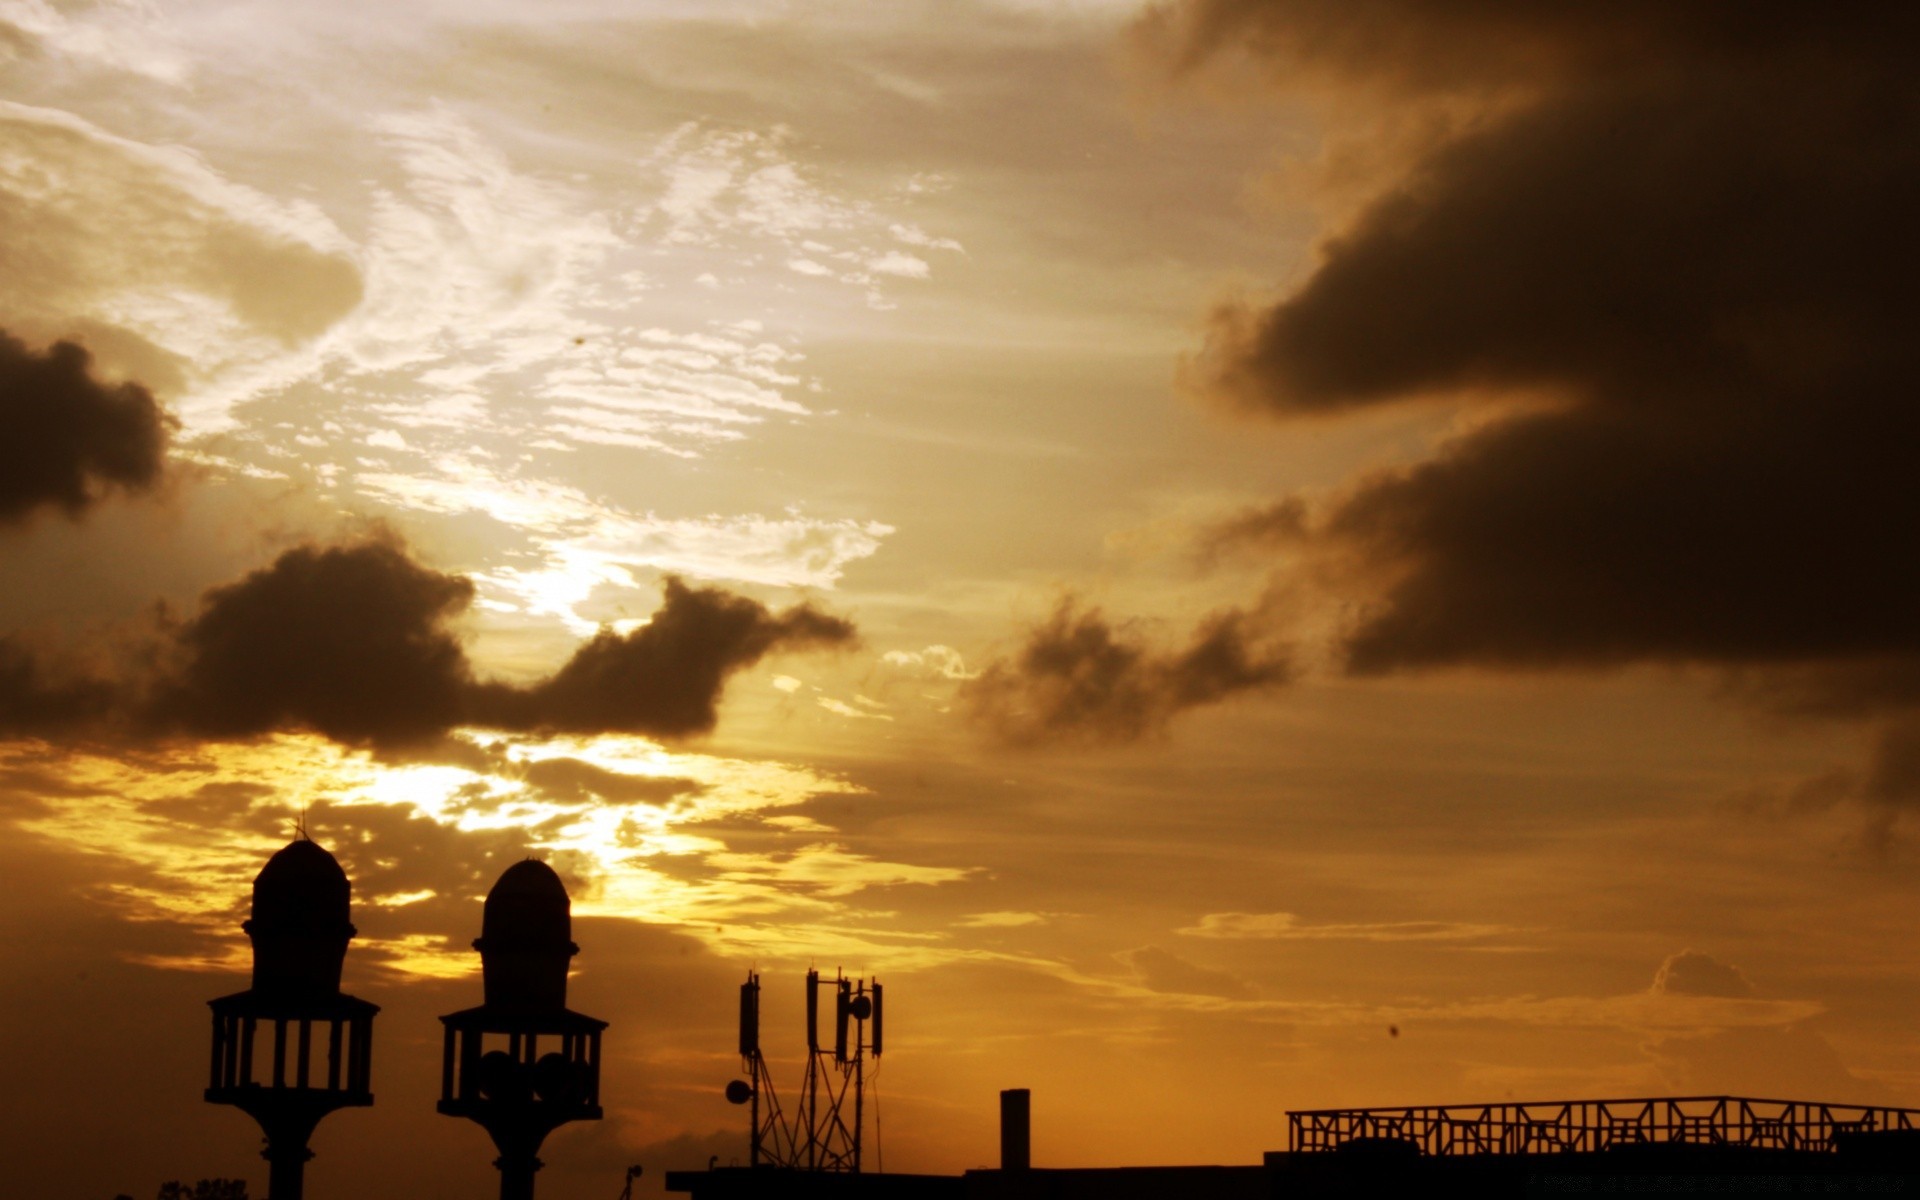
(829, 1115)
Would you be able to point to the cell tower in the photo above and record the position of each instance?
(771, 1143)
(825, 1134)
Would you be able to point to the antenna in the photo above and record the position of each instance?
(813, 1011)
(633, 1173)
(771, 1141)
(842, 1000)
(824, 1135)
(750, 1017)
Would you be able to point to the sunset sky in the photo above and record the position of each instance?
(1237, 555)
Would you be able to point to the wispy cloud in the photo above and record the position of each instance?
(1004, 920)
(943, 662)
(125, 35)
(744, 189)
(211, 289)
(469, 259)
(1279, 926)
(581, 543)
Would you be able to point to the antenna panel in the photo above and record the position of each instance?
(750, 1017)
(813, 1011)
(842, 1001)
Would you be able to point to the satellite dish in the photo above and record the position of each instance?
(739, 1092)
(554, 1079)
(501, 1077)
(861, 1008)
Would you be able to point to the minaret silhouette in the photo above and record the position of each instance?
(492, 1069)
(293, 1047)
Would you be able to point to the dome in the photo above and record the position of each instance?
(526, 938)
(299, 927)
(528, 906)
(301, 883)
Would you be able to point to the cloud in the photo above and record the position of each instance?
(164, 262)
(126, 36)
(36, 699)
(584, 542)
(666, 676)
(1240, 926)
(65, 435)
(356, 642)
(1883, 792)
(1663, 251)
(348, 641)
(1793, 1061)
(1080, 677)
(934, 662)
(510, 295)
(1893, 774)
(1752, 1060)
(1003, 920)
(1692, 973)
(822, 871)
(1163, 971)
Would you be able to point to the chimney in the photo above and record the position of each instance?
(1016, 1134)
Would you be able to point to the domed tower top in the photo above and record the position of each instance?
(299, 926)
(526, 939)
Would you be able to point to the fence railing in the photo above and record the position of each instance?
(1573, 1126)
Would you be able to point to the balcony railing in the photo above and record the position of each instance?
(1575, 1126)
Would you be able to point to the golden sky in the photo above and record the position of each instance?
(1238, 556)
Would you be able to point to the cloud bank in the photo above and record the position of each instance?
(1080, 677)
(1659, 254)
(357, 642)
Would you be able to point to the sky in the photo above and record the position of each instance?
(1238, 556)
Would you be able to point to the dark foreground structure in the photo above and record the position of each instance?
(493, 1069)
(1702, 1145)
(293, 1047)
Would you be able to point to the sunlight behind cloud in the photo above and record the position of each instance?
(644, 832)
(586, 544)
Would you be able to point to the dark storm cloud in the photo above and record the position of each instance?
(1416, 48)
(348, 641)
(664, 677)
(355, 642)
(66, 437)
(1080, 677)
(1668, 248)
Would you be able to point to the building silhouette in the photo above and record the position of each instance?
(1721, 1145)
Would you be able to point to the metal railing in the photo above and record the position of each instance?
(1576, 1126)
